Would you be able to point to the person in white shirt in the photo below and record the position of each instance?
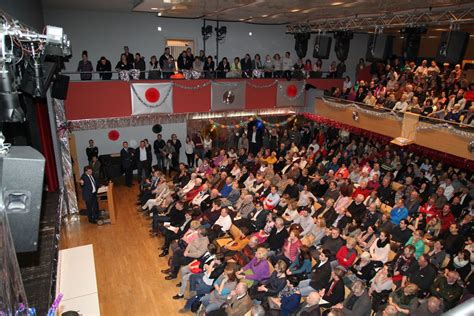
(314, 145)
(305, 196)
(272, 200)
(306, 222)
(287, 65)
(402, 105)
(201, 196)
(190, 185)
(380, 249)
(448, 189)
(224, 221)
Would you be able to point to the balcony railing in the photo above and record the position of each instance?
(135, 74)
(422, 118)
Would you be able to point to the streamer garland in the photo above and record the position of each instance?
(244, 123)
(360, 109)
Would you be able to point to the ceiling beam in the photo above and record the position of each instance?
(427, 17)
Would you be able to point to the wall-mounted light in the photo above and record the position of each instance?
(250, 33)
(159, 28)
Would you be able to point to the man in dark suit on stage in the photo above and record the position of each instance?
(126, 162)
(90, 185)
(92, 151)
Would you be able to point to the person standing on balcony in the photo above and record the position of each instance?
(167, 63)
(128, 55)
(104, 68)
(139, 64)
(85, 67)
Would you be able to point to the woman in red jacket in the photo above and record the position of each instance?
(347, 254)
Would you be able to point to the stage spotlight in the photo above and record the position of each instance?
(10, 110)
(221, 32)
(206, 32)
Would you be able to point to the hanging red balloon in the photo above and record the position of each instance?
(114, 135)
(291, 91)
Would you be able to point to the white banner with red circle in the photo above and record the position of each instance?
(151, 98)
(290, 93)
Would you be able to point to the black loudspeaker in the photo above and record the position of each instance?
(379, 47)
(452, 47)
(60, 87)
(343, 44)
(411, 41)
(322, 47)
(22, 172)
(301, 44)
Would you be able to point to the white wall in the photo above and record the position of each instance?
(105, 34)
(131, 134)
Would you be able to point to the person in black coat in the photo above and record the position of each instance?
(246, 66)
(104, 67)
(209, 67)
(184, 61)
(90, 185)
(123, 64)
(278, 235)
(177, 146)
(128, 55)
(320, 276)
(139, 64)
(126, 157)
(92, 151)
(158, 146)
(255, 137)
(334, 291)
(223, 68)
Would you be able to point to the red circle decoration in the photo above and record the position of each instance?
(114, 135)
(291, 91)
(152, 95)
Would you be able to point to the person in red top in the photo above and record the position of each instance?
(362, 189)
(446, 218)
(291, 247)
(347, 254)
(429, 209)
(374, 183)
(342, 172)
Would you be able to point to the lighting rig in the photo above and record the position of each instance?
(28, 61)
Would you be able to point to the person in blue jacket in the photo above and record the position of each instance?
(398, 212)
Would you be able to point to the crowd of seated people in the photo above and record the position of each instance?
(428, 90)
(166, 65)
(314, 223)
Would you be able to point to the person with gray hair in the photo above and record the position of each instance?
(358, 301)
(257, 310)
(433, 306)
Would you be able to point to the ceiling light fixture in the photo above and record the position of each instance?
(154, 9)
(250, 33)
(159, 28)
(337, 3)
(264, 16)
(295, 10)
(159, 13)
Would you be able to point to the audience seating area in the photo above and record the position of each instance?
(309, 220)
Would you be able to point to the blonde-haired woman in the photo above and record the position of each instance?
(404, 299)
(258, 269)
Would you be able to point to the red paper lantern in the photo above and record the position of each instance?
(152, 95)
(114, 135)
(291, 91)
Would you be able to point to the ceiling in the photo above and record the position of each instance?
(256, 11)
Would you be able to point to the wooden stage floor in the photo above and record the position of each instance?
(128, 268)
